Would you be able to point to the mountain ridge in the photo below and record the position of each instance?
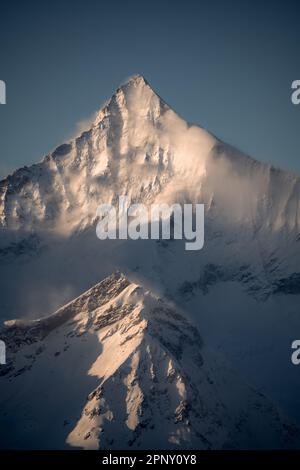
(149, 369)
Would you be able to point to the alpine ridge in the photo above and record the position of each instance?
(117, 364)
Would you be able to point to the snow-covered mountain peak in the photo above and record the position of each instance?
(133, 99)
(136, 80)
(136, 146)
(125, 364)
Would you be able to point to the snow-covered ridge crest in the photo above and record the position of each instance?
(136, 142)
(90, 300)
(123, 364)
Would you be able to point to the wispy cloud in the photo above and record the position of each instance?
(82, 125)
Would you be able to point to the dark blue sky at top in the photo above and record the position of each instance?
(226, 65)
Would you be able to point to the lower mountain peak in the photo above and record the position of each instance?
(118, 364)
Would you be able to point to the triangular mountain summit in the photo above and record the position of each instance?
(118, 368)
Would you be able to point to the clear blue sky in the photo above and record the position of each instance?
(226, 65)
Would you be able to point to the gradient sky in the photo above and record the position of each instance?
(226, 65)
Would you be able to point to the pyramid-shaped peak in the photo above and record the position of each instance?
(138, 83)
(137, 97)
(137, 79)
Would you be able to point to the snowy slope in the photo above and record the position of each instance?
(115, 366)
